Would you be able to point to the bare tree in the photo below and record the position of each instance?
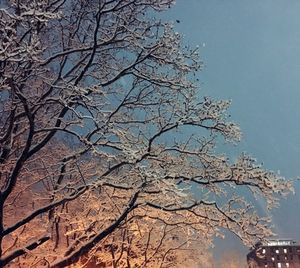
(101, 117)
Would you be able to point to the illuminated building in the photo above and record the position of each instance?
(275, 254)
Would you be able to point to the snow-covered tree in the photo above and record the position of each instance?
(103, 130)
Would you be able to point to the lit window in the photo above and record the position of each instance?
(277, 251)
(273, 259)
(287, 265)
(279, 265)
(264, 251)
(285, 250)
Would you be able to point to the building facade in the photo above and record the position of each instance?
(275, 254)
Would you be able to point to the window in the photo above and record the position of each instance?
(287, 264)
(277, 251)
(263, 250)
(273, 259)
(279, 264)
(285, 250)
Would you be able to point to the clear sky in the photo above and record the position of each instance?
(251, 54)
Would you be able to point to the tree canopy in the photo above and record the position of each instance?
(108, 150)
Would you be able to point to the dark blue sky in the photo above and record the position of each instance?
(251, 54)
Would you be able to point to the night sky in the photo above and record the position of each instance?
(251, 55)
